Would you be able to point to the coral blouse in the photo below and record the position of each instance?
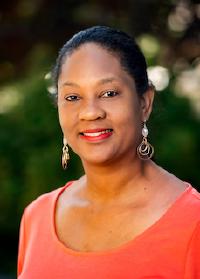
(169, 249)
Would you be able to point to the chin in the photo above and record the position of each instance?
(104, 156)
(101, 159)
(98, 161)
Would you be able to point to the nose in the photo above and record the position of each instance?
(91, 110)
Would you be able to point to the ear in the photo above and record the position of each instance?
(147, 103)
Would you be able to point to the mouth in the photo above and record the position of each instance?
(96, 134)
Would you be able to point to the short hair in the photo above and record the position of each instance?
(115, 41)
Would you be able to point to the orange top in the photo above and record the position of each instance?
(169, 249)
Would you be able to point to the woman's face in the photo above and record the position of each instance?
(100, 112)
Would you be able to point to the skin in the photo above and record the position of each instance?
(120, 196)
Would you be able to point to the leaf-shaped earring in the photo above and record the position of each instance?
(65, 154)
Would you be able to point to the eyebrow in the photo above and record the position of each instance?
(106, 80)
(100, 82)
(69, 83)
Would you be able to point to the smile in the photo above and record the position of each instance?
(96, 134)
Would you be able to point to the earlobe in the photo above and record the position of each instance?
(147, 103)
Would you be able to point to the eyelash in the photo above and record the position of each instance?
(74, 98)
(115, 93)
(70, 98)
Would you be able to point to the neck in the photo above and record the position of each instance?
(105, 182)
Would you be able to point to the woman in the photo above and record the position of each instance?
(126, 217)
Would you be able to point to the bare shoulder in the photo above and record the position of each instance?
(72, 194)
(166, 186)
(176, 184)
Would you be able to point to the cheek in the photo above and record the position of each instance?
(64, 119)
(68, 122)
(129, 121)
(128, 115)
(61, 118)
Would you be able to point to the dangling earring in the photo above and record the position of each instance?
(145, 150)
(65, 154)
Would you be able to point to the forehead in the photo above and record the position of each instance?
(92, 61)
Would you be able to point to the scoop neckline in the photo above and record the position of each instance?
(123, 246)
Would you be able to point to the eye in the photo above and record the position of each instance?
(110, 94)
(72, 98)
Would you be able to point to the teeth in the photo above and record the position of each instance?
(96, 134)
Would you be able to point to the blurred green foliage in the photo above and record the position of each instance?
(30, 137)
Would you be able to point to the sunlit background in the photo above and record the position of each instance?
(31, 33)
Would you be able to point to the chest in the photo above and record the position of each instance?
(89, 229)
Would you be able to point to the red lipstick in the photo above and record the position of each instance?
(98, 134)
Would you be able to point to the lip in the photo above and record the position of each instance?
(95, 130)
(95, 135)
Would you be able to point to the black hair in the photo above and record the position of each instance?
(116, 42)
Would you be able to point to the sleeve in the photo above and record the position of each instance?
(21, 247)
(192, 270)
